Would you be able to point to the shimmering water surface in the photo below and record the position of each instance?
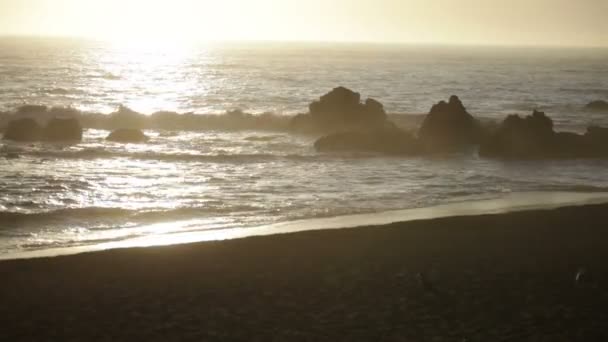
(97, 191)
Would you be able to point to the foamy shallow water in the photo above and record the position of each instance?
(171, 233)
(97, 192)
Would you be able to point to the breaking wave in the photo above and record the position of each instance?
(233, 120)
(102, 214)
(166, 120)
(169, 157)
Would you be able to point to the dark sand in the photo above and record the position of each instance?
(508, 277)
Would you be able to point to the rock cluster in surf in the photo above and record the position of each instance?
(448, 127)
(353, 125)
(341, 109)
(533, 137)
(349, 123)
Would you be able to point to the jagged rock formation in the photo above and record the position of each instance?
(533, 137)
(340, 109)
(448, 127)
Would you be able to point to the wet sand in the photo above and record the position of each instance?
(501, 277)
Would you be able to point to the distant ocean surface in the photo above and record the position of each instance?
(204, 179)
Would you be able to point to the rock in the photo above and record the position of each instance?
(126, 117)
(597, 141)
(29, 110)
(570, 145)
(597, 135)
(533, 137)
(28, 129)
(517, 137)
(388, 139)
(341, 109)
(25, 130)
(598, 105)
(127, 136)
(449, 126)
(58, 129)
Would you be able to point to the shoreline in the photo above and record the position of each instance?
(509, 276)
(511, 202)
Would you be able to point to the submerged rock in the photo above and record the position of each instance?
(449, 126)
(127, 136)
(341, 109)
(533, 137)
(63, 130)
(388, 139)
(26, 130)
(599, 105)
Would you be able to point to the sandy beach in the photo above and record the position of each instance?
(535, 275)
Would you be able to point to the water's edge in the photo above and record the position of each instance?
(509, 203)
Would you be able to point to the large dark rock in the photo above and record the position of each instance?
(388, 139)
(517, 137)
(30, 110)
(600, 106)
(127, 136)
(449, 126)
(533, 137)
(58, 129)
(126, 117)
(25, 130)
(341, 109)
(28, 129)
(599, 134)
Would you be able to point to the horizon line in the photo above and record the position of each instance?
(329, 41)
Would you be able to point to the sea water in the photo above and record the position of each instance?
(208, 179)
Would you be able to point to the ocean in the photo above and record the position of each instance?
(208, 178)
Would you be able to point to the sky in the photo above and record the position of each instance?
(486, 22)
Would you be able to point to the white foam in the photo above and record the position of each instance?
(508, 203)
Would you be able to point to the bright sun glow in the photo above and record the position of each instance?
(143, 20)
(180, 21)
(413, 21)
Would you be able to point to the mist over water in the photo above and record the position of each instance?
(224, 175)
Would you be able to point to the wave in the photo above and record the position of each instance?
(233, 120)
(61, 214)
(56, 91)
(104, 216)
(171, 157)
(572, 188)
(263, 138)
(165, 120)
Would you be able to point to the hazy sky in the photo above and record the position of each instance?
(544, 22)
